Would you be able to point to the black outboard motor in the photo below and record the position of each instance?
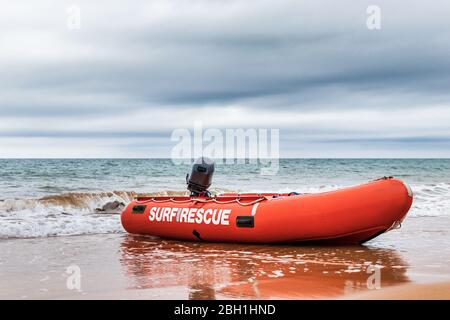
(200, 178)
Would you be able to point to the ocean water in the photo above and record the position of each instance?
(58, 197)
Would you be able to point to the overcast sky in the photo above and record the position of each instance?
(137, 70)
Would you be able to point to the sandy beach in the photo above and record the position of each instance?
(121, 266)
(57, 240)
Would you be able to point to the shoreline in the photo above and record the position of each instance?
(122, 266)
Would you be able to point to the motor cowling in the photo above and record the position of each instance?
(201, 176)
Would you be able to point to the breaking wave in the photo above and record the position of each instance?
(65, 214)
(88, 202)
(431, 200)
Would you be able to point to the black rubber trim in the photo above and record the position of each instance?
(139, 209)
(245, 222)
(195, 233)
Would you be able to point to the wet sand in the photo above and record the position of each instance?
(413, 262)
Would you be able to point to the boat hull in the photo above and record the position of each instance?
(351, 215)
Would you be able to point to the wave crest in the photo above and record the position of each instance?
(87, 202)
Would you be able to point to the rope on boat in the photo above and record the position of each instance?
(237, 200)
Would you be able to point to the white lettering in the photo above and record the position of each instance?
(190, 215)
(225, 217)
(199, 217)
(159, 215)
(205, 219)
(173, 213)
(166, 215)
(216, 216)
(183, 216)
(153, 210)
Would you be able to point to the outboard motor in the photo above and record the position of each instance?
(200, 178)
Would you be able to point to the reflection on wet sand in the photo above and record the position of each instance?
(211, 270)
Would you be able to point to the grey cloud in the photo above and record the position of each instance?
(290, 56)
(85, 134)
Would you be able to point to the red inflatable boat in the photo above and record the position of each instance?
(351, 215)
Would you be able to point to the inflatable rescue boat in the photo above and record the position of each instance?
(351, 215)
